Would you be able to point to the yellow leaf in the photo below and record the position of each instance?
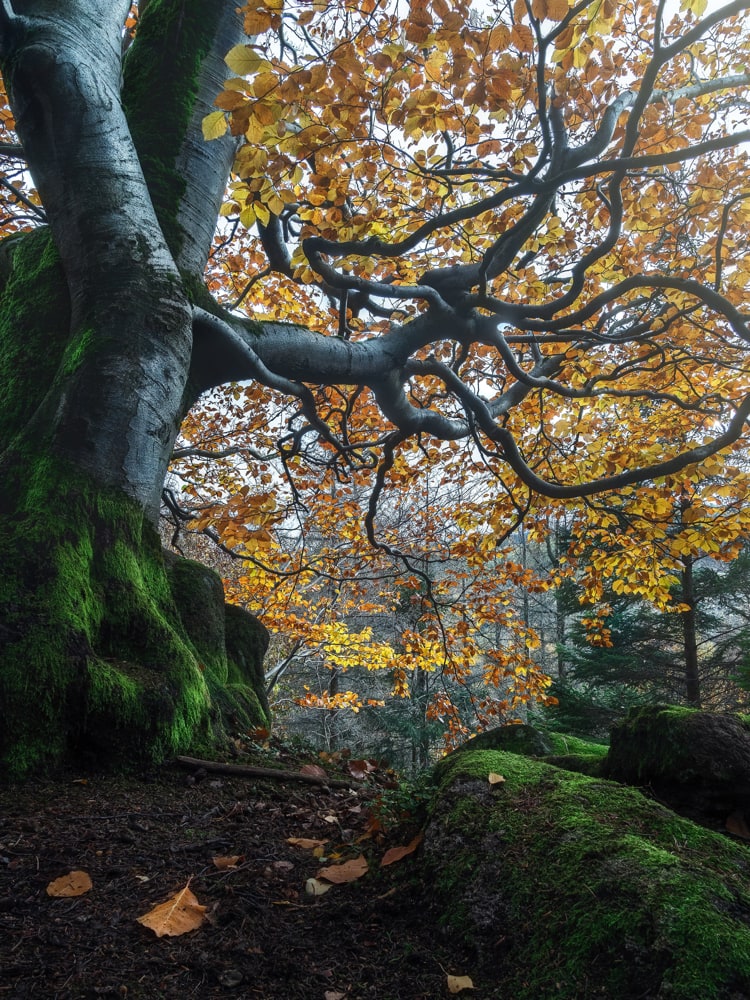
(495, 779)
(315, 888)
(177, 915)
(458, 983)
(261, 213)
(75, 883)
(214, 125)
(244, 60)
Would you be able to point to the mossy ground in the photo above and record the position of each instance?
(573, 887)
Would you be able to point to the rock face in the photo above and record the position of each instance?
(568, 886)
(230, 641)
(697, 762)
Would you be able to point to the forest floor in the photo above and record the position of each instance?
(143, 839)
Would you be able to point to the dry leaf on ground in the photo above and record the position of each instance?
(396, 853)
(348, 872)
(75, 883)
(315, 888)
(177, 915)
(230, 861)
(306, 843)
(314, 771)
(458, 983)
(495, 779)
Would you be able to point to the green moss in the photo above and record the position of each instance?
(561, 882)
(199, 595)
(246, 642)
(159, 91)
(34, 329)
(92, 650)
(564, 744)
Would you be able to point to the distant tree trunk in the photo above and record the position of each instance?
(690, 639)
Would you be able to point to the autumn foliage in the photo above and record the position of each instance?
(544, 208)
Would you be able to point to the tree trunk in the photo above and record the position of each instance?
(689, 637)
(95, 359)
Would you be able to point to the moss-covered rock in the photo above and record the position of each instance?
(246, 644)
(691, 759)
(521, 739)
(568, 886)
(231, 644)
(575, 754)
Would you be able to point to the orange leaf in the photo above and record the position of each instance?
(230, 861)
(348, 872)
(314, 770)
(396, 853)
(359, 769)
(75, 883)
(177, 915)
(306, 843)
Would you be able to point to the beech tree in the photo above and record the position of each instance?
(516, 235)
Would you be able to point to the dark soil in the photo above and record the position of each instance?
(143, 838)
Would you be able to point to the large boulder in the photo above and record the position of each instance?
(230, 642)
(568, 886)
(698, 762)
(516, 738)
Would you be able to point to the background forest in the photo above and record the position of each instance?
(415, 601)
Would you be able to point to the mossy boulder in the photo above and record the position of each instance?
(696, 761)
(567, 886)
(575, 754)
(568, 752)
(230, 641)
(521, 739)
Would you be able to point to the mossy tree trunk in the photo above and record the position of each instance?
(98, 370)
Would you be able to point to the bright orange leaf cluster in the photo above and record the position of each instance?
(552, 201)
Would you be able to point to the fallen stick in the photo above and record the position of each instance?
(250, 771)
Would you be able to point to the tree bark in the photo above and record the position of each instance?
(96, 329)
(690, 638)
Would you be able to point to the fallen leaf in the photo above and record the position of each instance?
(282, 866)
(359, 769)
(75, 883)
(347, 872)
(230, 861)
(396, 853)
(177, 915)
(314, 770)
(458, 983)
(495, 779)
(737, 824)
(333, 995)
(306, 843)
(315, 888)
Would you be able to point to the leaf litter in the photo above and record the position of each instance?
(149, 840)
